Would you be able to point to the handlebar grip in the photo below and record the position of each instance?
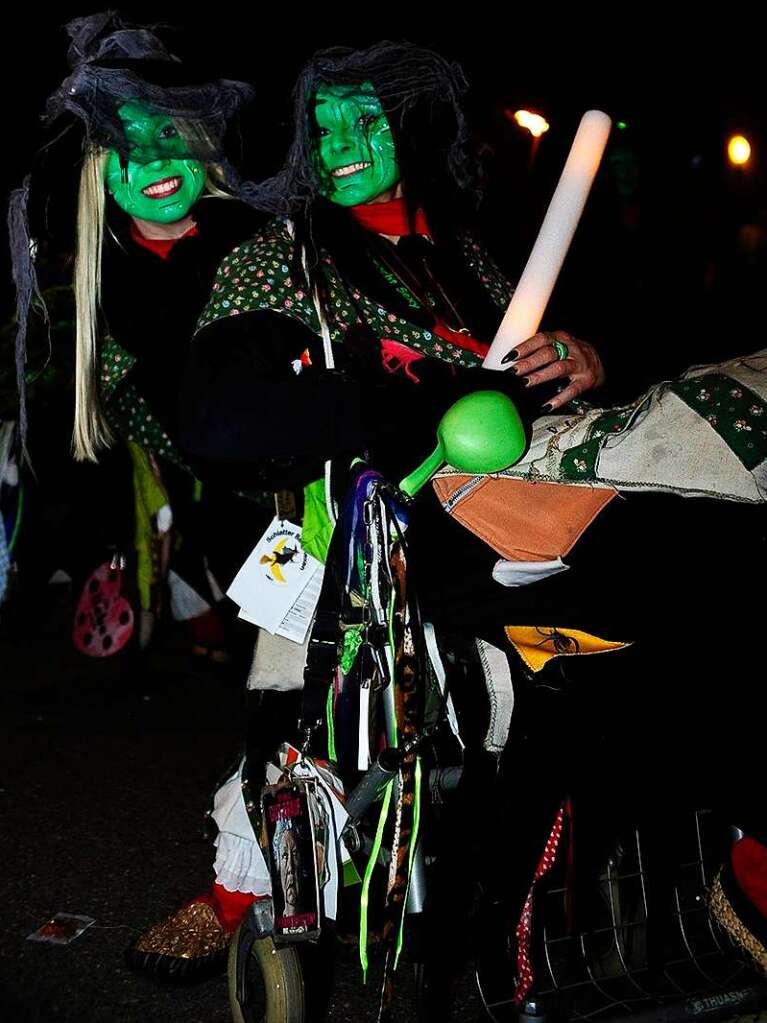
(371, 785)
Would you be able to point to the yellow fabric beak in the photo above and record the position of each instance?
(537, 644)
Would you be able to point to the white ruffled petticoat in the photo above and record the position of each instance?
(240, 864)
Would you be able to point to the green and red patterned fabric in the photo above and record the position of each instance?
(126, 411)
(257, 276)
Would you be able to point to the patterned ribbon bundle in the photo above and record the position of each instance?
(406, 678)
(378, 690)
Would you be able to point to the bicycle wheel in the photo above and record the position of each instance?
(265, 981)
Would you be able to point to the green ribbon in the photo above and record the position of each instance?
(377, 842)
(331, 726)
(351, 644)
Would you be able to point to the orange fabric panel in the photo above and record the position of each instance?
(525, 521)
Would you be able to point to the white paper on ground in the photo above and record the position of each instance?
(61, 929)
(273, 579)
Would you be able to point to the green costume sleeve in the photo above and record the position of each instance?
(150, 496)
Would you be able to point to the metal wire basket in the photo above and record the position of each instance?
(651, 950)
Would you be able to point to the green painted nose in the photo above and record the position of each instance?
(480, 433)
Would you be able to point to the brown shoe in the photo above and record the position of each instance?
(189, 946)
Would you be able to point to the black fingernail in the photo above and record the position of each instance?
(526, 381)
(547, 407)
(510, 356)
(514, 370)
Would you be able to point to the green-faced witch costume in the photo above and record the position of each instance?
(152, 225)
(345, 329)
(156, 216)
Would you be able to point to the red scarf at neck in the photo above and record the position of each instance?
(160, 246)
(392, 218)
(389, 218)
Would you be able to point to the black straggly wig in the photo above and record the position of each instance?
(421, 94)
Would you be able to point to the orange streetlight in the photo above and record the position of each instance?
(739, 150)
(536, 124)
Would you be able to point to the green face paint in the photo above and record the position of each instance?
(160, 182)
(355, 147)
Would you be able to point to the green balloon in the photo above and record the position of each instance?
(482, 432)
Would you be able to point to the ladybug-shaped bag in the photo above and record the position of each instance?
(104, 618)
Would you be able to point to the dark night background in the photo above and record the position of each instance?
(105, 782)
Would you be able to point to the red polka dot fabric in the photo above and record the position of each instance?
(525, 925)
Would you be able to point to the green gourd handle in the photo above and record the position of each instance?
(419, 477)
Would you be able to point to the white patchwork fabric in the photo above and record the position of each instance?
(522, 573)
(670, 447)
(500, 689)
(749, 370)
(551, 437)
(278, 663)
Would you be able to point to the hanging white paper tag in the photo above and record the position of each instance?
(279, 585)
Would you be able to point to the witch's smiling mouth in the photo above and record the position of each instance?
(161, 189)
(350, 168)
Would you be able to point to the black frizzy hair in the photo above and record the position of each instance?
(421, 93)
(111, 63)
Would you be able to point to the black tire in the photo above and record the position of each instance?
(265, 981)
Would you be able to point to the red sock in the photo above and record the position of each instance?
(749, 864)
(230, 907)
